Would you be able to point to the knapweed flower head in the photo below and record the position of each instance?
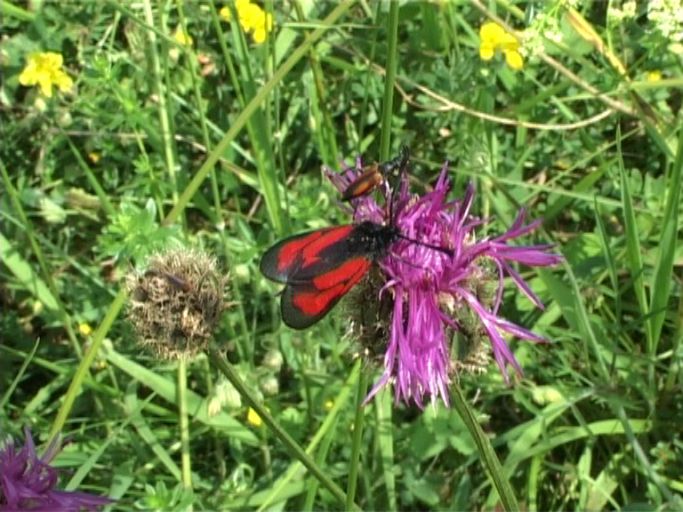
(252, 19)
(432, 294)
(28, 482)
(45, 70)
(493, 37)
(175, 304)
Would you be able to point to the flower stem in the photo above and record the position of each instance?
(488, 455)
(296, 451)
(392, 58)
(184, 424)
(84, 365)
(357, 438)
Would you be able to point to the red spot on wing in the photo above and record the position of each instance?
(329, 288)
(314, 303)
(290, 251)
(305, 255)
(342, 273)
(311, 253)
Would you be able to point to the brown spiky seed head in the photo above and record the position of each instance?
(176, 303)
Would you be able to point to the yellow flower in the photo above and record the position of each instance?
(181, 37)
(94, 156)
(253, 418)
(514, 59)
(259, 35)
(494, 37)
(85, 329)
(654, 76)
(45, 69)
(252, 19)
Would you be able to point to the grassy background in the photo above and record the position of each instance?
(219, 145)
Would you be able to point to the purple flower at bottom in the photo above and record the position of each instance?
(27, 482)
(432, 291)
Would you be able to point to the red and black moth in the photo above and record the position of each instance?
(319, 267)
(375, 174)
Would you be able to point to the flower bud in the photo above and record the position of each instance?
(270, 385)
(273, 360)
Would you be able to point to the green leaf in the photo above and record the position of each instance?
(21, 269)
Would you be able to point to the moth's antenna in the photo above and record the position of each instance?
(445, 250)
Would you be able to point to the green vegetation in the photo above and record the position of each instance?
(129, 128)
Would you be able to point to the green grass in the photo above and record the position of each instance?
(219, 146)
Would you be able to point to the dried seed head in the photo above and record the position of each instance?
(470, 352)
(370, 315)
(176, 303)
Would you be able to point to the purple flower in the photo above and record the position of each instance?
(430, 288)
(27, 482)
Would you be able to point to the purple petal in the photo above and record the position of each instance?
(28, 482)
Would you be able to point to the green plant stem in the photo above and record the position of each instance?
(388, 102)
(295, 450)
(326, 135)
(294, 469)
(384, 431)
(663, 276)
(94, 183)
(675, 366)
(186, 466)
(18, 377)
(164, 120)
(88, 358)
(488, 455)
(259, 131)
(9, 9)
(356, 442)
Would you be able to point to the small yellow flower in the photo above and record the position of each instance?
(253, 418)
(328, 405)
(654, 76)
(494, 37)
(181, 37)
(94, 157)
(252, 19)
(514, 59)
(259, 35)
(45, 70)
(85, 329)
